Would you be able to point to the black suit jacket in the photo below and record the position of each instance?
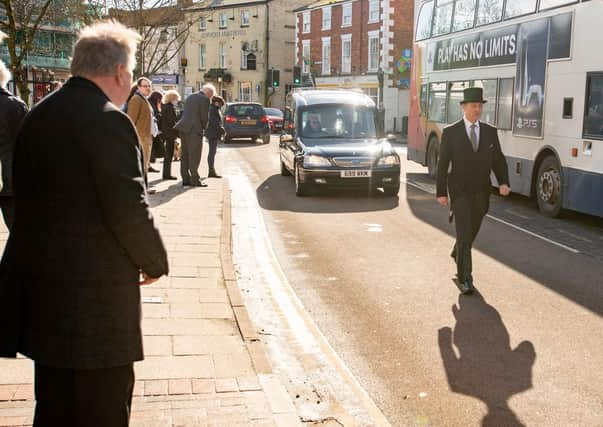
(83, 232)
(215, 129)
(464, 171)
(12, 111)
(168, 121)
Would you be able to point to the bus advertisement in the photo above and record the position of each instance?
(543, 85)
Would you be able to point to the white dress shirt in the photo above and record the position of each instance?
(468, 129)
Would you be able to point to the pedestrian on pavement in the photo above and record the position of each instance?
(83, 240)
(215, 132)
(469, 151)
(141, 113)
(12, 111)
(192, 127)
(168, 121)
(157, 149)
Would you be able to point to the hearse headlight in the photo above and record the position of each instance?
(313, 161)
(390, 160)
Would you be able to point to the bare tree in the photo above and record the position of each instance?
(160, 23)
(24, 21)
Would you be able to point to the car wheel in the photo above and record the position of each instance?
(266, 138)
(549, 187)
(392, 190)
(301, 189)
(433, 154)
(284, 170)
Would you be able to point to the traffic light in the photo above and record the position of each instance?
(276, 78)
(297, 75)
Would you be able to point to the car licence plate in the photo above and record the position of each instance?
(248, 122)
(356, 174)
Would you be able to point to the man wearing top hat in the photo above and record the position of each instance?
(469, 151)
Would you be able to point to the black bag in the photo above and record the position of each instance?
(158, 148)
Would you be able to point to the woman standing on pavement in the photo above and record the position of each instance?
(168, 120)
(215, 131)
(157, 149)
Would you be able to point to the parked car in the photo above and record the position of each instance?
(331, 141)
(276, 119)
(246, 120)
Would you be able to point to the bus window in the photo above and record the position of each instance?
(442, 17)
(437, 102)
(455, 96)
(593, 120)
(489, 11)
(505, 104)
(424, 21)
(515, 8)
(489, 87)
(424, 99)
(464, 15)
(549, 4)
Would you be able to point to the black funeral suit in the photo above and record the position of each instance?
(464, 175)
(69, 277)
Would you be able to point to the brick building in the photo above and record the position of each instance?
(363, 44)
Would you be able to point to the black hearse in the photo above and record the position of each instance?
(330, 140)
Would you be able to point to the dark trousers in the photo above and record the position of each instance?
(167, 158)
(211, 156)
(7, 204)
(192, 147)
(83, 397)
(469, 211)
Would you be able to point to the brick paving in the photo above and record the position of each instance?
(199, 370)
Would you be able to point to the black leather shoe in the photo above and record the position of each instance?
(187, 184)
(213, 174)
(465, 287)
(199, 184)
(171, 178)
(152, 169)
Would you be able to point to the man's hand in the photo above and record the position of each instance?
(504, 190)
(443, 200)
(147, 280)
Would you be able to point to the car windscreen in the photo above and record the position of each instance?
(246, 110)
(274, 112)
(338, 121)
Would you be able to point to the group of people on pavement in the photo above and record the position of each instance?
(154, 116)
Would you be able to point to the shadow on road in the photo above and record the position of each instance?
(486, 368)
(575, 276)
(162, 197)
(277, 193)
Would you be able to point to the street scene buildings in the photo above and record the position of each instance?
(389, 213)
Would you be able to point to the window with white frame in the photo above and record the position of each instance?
(373, 51)
(245, 91)
(306, 22)
(346, 15)
(373, 11)
(202, 23)
(223, 20)
(244, 52)
(326, 18)
(326, 55)
(202, 57)
(245, 18)
(222, 55)
(306, 56)
(373, 92)
(346, 53)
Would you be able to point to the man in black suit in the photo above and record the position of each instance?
(470, 150)
(83, 240)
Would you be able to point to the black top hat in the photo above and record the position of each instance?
(473, 94)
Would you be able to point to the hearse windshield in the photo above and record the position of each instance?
(337, 121)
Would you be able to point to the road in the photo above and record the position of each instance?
(375, 275)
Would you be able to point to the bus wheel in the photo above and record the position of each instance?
(433, 153)
(549, 187)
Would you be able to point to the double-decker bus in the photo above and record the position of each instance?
(540, 64)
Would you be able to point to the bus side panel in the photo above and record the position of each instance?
(520, 174)
(416, 131)
(583, 191)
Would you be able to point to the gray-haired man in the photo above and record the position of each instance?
(82, 242)
(192, 127)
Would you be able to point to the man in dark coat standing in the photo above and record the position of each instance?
(192, 127)
(469, 152)
(12, 111)
(83, 240)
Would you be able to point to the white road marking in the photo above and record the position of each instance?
(516, 227)
(374, 228)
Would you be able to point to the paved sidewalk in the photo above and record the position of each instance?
(204, 365)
